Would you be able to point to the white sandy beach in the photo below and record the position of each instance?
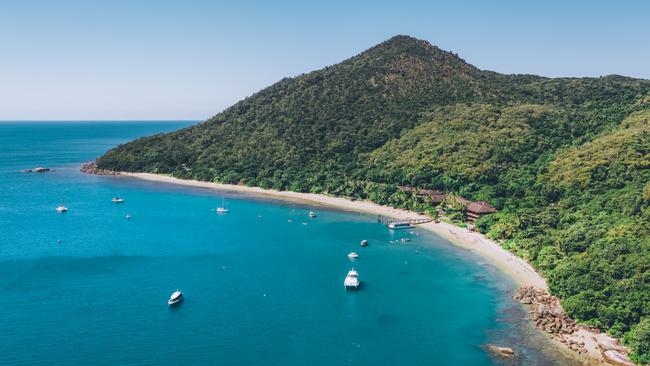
(519, 270)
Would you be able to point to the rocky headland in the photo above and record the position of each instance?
(91, 168)
(548, 315)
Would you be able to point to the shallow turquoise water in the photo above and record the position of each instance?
(260, 290)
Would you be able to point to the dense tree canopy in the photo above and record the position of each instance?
(566, 161)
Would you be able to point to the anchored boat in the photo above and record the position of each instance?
(176, 298)
(223, 208)
(351, 280)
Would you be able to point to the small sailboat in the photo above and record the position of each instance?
(351, 280)
(353, 255)
(364, 243)
(176, 298)
(117, 200)
(312, 214)
(223, 208)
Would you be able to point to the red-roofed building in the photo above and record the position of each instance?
(477, 209)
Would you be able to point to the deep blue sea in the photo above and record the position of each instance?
(90, 287)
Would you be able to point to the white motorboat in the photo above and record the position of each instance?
(353, 255)
(351, 280)
(61, 209)
(176, 298)
(364, 243)
(117, 200)
(312, 214)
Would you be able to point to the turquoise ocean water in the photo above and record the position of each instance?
(90, 286)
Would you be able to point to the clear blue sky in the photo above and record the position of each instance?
(161, 59)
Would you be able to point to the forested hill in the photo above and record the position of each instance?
(321, 122)
(566, 161)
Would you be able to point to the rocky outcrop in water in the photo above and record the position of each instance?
(91, 168)
(36, 170)
(546, 311)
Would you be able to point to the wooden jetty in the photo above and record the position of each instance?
(388, 220)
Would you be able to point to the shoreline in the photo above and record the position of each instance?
(521, 272)
(514, 267)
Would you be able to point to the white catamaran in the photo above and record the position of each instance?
(351, 280)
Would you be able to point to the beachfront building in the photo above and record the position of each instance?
(478, 209)
(473, 210)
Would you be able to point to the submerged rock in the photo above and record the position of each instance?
(501, 351)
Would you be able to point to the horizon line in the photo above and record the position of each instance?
(101, 120)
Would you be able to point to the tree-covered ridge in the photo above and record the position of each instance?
(564, 160)
(476, 143)
(614, 159)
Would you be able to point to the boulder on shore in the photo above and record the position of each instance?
(617, 359)
(607, 344)
(556, 311)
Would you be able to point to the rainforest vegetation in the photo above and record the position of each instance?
(566, 161)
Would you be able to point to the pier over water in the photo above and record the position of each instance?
(389, 220)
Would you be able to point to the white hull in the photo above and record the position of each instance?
(174, 302)
(176, 298)
(351, 283)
